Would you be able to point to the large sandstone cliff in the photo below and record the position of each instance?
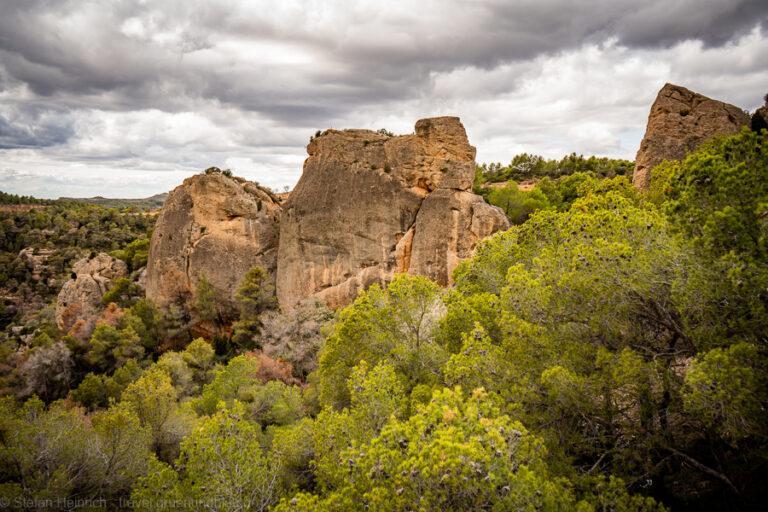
(679, 121)
(370, 205)
(213, 225)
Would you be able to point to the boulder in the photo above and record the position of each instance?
(354, 218)
(36, 260)
(81, 297)
(679, 121)
(216, 226)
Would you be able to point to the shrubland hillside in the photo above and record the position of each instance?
(607, 352)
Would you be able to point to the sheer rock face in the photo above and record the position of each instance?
(81, 297)
(355, 217)
(679, 121)
(212, 225)
(448, 226)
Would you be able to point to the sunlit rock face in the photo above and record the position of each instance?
(370, 205)
(216, 226)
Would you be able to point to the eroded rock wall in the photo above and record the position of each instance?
(679, 121)
(370, 205)
(213, 225)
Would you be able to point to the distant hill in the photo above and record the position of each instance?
(153, 202)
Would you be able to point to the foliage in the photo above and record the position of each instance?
(516, 204)
(153, 398)
(254, 296)
(124, 293)
(135, 254)
(725, 391)
(454, 453)
(98, 390)
(112, 347)
(526, 166)
(190, 369)
(205, 302)
(598, 312)
(271, 403)
(220, 468)
(394, 325)
(236, 377)
(297, 335)
(61, 455)
(718, 197)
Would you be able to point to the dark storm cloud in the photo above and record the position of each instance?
(179, 85)
(130, 55)
(36, 132)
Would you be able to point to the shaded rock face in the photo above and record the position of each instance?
(368, 206)
(80, 298)
(213, 225)
(760, 118)
(679, 121)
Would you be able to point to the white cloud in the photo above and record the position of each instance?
(127, 100)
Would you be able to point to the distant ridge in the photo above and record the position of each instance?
(153, 202)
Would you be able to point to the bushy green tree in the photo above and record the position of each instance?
(268, 403)
(205, 303)
(230, 383)
(146, 319)
(135, 254)
(153, 398)
(376, 397)
(718, 197)
(220, 468)
(61, 455)
(97, 390)
(454, 453)
(396, 324)
(255, 295)
(124, 293)
(111, 347)
(598, 312)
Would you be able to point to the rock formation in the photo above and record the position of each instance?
(214, 225)
(369, 205)
(679, 121)
(760, 117)
(36, 260)
(81, 296)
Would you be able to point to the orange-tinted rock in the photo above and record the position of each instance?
(679, 121)
(213, 225)
(354, 218)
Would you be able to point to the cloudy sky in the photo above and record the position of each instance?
(126, 98)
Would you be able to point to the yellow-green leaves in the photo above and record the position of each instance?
(725, 390)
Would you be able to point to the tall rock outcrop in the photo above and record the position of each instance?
(369, 205)
(213, 225)
(679, 121)
(760, 117)
(80, 297)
